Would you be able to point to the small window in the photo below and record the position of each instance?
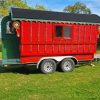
(63, 31)
(59, 30)
(8, 30)
(67, 31)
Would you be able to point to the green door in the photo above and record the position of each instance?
(10, 44)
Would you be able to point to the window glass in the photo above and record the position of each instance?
(63, 31)
(8, 30)
(67, 31)
(59, 30)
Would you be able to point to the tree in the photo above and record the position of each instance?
(39, 7)
(79, 8)
(6, 4)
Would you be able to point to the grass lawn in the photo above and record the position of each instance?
(98, 52)
(98, 47)
(81, 84)
(0, 55)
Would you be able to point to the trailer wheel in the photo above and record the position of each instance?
(67, 65)
(48, 66)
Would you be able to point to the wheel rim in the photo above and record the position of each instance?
(67, 66)
(48, 67)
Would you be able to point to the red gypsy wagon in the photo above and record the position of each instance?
(48, 38)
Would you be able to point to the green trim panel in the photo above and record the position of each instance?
(53, 21)
(10, 44)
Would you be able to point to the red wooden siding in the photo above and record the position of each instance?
(38, 39)
(34, 32)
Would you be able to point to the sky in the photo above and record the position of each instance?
(58, 5)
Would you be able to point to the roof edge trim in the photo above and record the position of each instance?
(37, 20)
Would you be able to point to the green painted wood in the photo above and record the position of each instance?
(10, 44)
(37, 20)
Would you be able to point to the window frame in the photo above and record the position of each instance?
(8, 31)
(11, 30)
(61, 31)
(63, 25)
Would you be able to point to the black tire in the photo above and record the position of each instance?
(67, 65)
(47, 66)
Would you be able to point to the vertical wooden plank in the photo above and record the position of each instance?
(81, 49)
(61, 49)
(94, 30)
(87, 34)
(75, 35)
(34, 49)
(81, 34)
(25, 50)
(55, 49)
(49, 32)
(38, 33)
(75, 38)
(93, 35)
(86, 48)
(74, 49)
(42, 33)
(93, 48)
(26, 36)
(49, 49)
(34, 32)
(41, 50)
(68, 49)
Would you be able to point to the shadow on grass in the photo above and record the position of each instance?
(81, 65)
(21, 70)
(30, 69)
(98, 46)
(84, 64)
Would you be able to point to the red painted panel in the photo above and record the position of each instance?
(94, 33)
(36, 59)
(61, 49)
(87, 34)
(41, 49)
(30, 59)
(26, 50)
(42, 32)
(25, 32)
(86, 49)
(81, 49)
(68, 41)
(34, 32)
(84, 57)
(82, 34)
(49, 49)
(55, 49)
(34, 49)
(75, 35)
(74, 49)
(38, 39)
(49, 32)
(92, 50)
(68, 49)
